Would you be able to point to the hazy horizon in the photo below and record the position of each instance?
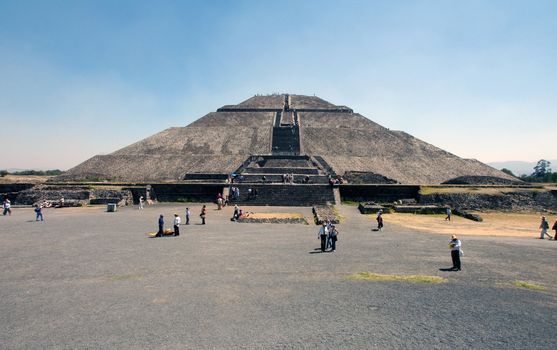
(474, 78)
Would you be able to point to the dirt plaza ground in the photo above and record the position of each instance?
(88, 279)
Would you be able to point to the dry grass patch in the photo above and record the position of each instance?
(494, 224)
(528, 285)
(370, 276)
(34, 179)
(275, 215)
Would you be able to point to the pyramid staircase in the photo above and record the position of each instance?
(264, 174)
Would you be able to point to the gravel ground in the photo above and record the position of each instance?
(85, 278)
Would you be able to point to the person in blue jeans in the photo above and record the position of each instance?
(39, 212)
(333, 236)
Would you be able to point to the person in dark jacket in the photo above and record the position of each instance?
(379, 220)
(203, 214)
(161, 227)
(456, 250)
(544, 226)
(555, 228)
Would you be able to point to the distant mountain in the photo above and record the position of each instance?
(519, 167)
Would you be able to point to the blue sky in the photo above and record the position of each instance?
(79, 78)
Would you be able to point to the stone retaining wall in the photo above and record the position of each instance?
(515, 201)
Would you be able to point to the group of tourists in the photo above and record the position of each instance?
(328, 234)
(234, 192)
(235, 178)
(252, 193)
(238, 213)
(178, 221)
(336, 181)
(288, 178)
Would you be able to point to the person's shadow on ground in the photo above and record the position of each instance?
(447, 269)
(316, 251)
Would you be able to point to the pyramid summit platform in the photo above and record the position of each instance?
(276, 134)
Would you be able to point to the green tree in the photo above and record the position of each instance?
(3, 173)
(542, 168)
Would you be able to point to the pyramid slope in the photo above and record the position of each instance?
(220, 141)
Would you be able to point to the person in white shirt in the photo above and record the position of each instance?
(322, 234)
(188, 216)
(140, 203)
(456, 249)
(176, 225)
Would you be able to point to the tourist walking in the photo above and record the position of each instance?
(333, 234)
(188, 216)
(544, 226)
(141, 200)
(555, 229)
(456, 251)
(39, 212)
(7, 205)
(379, 220)
(177, 221)
(322, 235)
(160, 233)
(203, 214)
(329, 238)
(449, 212)
(219, 201)
(236, 214)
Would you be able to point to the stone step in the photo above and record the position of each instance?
(277, 178)
(285, 195)
(289, 170)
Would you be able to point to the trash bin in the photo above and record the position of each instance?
(111, 207)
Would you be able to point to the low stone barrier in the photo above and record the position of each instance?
(370, 208)
(420, 209)
(467, 215)
(323, 213)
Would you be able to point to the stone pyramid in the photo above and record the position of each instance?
(344, 143)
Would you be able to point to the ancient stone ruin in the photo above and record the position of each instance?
(279, 134)
(277, 150)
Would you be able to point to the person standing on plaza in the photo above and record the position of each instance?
(555, 228)
(203, 214)
(379, 220)
(39, 212)
(329, 237)
(456, 251)
(188, 216)
(333, 234)
(544, 226)
(219, 201)
(322, 235)
(7, 205)
(161, 227)
(177, 222)
(449, 212)
(141, 200)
